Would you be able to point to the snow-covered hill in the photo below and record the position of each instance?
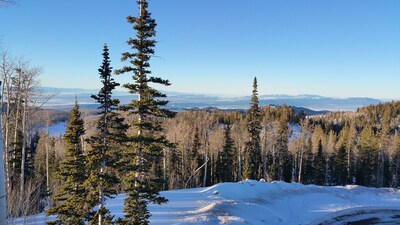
(253, 202)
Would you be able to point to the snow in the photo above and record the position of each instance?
(295, 132)
(57, 129)
(253, 202)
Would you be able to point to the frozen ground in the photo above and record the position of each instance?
(253, 202)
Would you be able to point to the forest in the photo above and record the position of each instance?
(143, 148)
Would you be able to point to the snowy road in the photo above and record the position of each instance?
(388, 217)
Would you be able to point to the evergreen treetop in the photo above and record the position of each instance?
(252, 160)
(143, 178)
(106, 145)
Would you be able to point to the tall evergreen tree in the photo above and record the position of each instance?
(309, 170)
(350, 147)
(143, 179)
(329, 153)
(367, 158)
(340, 171)
(174, 172)
(252, 158)
(319, 165)
(106, 146)
(226, 159)
(341, 166)
(396, 161)
(383, 161)
(282, 138)
(195, 159)
(71, 205)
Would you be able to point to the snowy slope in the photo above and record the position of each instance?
(253, 202)
(57, 129)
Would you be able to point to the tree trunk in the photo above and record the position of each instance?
(3, 202)
(16, 127)
(240, 163)
(47, 159)
(23, 159)
(349, 178)
(206, 158)
(101, 196)
(300, 163)
(265, 156)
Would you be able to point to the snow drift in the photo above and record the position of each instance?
(253, 202)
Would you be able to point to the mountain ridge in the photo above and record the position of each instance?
(179, 100)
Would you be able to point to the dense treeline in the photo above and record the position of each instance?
(335, 149)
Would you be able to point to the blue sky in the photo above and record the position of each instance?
(341, 48)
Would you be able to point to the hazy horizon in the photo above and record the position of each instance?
(121, 89)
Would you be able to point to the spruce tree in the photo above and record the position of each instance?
(396, 161)
(319, 165)
(367, 158)
(174, 165)
(71, 205)
(195, 159)
(106, 145)
(252, 157)
(144, 173)
(226, 159)
(329, 153)
(383, 164)
(340, 168)
(309, 170)
(282, 139)
(350, 147)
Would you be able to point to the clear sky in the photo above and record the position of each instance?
(340, 48)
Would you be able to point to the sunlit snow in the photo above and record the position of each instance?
(253, 202)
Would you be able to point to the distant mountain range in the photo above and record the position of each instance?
(179, 101)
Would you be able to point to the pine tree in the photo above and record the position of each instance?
(282, 139)
(252, 159)
(174, 172)
(330, 148)
(143, 179)
(350, 147)
(309, 170)
(341, 157)
(106, 145)
(367, 158)
(383, 164)
(396, 161)
(226, 159)
(319, 165)
(340, 171)
(195, 159)
(71, 205)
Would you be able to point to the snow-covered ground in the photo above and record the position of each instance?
(253, 202)
(295, 132)
(57, 129)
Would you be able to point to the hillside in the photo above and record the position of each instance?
(253, 202)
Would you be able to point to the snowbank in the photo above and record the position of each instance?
(253, 202)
